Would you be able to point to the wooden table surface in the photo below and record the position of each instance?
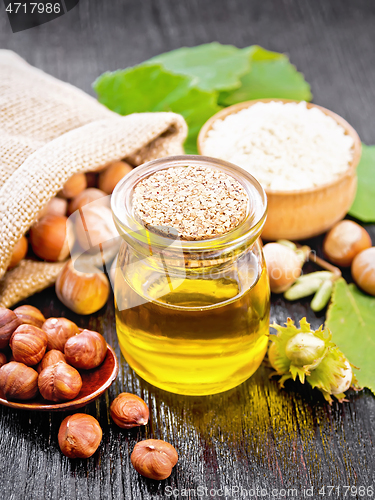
(255, 437)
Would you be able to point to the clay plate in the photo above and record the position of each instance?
(95, 382)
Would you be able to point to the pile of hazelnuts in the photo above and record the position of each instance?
(44, 356)
(52, 237)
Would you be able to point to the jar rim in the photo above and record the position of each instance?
(250, 227)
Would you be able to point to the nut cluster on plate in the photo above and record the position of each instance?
(52, 237)
(46, 355)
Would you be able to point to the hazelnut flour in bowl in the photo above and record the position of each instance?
(304, 156)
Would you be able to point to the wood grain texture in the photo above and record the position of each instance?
(255, 435)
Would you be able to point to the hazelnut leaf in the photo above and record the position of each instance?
(213, 66)
(363, 207)
(150, 87)
(271, 75)
(351, 319)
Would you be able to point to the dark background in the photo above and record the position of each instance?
(255, 435)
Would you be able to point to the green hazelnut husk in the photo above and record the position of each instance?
(312, 356)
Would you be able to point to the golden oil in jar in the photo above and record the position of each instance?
(203, 337)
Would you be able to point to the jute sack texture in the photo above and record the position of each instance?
(50, 130)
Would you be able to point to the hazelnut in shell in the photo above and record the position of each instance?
(8, 323)
(112, 175)
(91, 179)
(74, 185)
(55, 206)
(51, 358)
(344, 241)
(50, 238)
(3, 359)
(28, 344)
(86, 350)
(128, 410)
(284, 266)
(88, 196)
(58, 331)
(94, 226)
(19, 252)
(363, 270)
(83, 293)
(29, 315)
(59, 382)
(79, 436)
(18, 381)
(154, 458)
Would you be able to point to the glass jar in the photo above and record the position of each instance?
(192, 317)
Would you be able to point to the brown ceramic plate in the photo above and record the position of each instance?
(95, 382)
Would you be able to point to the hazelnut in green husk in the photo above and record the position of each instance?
(312, 356)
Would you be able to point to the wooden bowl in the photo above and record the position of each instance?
(297, 215)
(95, 382)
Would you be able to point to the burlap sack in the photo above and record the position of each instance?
(50, 130)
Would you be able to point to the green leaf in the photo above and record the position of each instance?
(363, 207)
(150, 87)
(212, 66)
(351, 319)
(271, 75)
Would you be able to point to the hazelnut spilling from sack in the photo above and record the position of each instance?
(49, 131)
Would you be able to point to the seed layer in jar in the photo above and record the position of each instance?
(199, 202)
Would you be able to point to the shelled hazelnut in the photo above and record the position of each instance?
(86, 350)
(8, 323)
(51, 358)
(59, 382)
(19, 252)
(83, 293)
(58, 331)
(50, 238)
(28, 344)
(88, 196)
(74, 185)
(154, 458)
(112, 175)
(129, 410)
(29, 315)
(79, 436)
(18, 381)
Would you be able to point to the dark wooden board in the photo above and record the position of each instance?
(255, 435)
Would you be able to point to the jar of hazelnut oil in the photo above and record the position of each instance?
(191, 287)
